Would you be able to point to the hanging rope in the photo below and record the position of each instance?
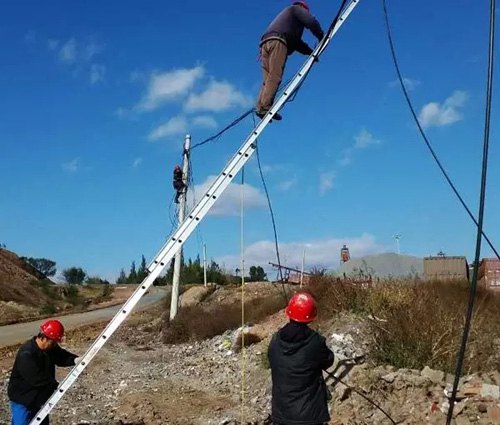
(421, 130)
(242, 333)
(482, 196)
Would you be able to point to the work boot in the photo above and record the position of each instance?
(262, 113)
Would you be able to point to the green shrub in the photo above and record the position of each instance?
(48, 309)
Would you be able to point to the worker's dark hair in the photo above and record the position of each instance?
(41, 335)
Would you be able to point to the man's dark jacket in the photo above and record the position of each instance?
(288, 27)
(297, 356)
(33, 378)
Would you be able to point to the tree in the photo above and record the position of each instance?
(132, 276)
(74, 275)
(257, 274)
(122, 278)
(96, 280)
(43, 265)
(142, 272)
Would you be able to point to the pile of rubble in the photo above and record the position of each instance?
(414, 397)
(136, 380)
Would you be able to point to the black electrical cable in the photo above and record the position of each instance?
(482, 196)
(424, 136)
(217, 136)
(331, 375)
(275, 232)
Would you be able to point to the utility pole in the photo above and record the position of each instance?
(205, 264)
(174, 303)
(397, 237)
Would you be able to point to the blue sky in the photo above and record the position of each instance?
(97, 96)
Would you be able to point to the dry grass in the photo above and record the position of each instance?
(200, 322)
(418, 323)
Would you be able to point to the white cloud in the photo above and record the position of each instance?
(68, 52)
(319, 253)
(174, 126)
(204, 121)
(409, 83)
(90, 50)
(326, 182)
(287, 184)
(167, 86)
(97, 73)
(218, 96)
(435, 114)
(229, 202)
(71, 166)
(137, 162)
(346, 157)
(364, 139)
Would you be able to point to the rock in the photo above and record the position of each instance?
(435, 376)
(494, 414)
(482, 408)
(492, 391)
(390, 377)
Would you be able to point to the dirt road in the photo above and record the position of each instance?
(14, 334)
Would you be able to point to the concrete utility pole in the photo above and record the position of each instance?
(174, 304)
(205, 264)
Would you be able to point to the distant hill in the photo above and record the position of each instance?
(384, 265)
(18, 281)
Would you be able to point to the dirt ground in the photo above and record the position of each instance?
(137, 380)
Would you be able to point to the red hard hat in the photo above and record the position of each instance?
(302, 308)
(53, 329)
(177, 167)
(303, 4)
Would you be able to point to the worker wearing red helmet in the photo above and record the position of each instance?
(297, 356)
(281, 39)
(33, 380)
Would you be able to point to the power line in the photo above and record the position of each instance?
(482, 197)
(421, 130)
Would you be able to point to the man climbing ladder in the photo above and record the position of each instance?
(281, 39)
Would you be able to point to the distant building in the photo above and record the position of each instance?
(489, 274)
(446, 268)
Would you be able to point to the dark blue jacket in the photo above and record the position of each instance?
(33, 378)
(289, 26)
(297, 356)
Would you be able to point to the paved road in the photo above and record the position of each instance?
(13, 334)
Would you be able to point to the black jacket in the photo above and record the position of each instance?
(297, 356)
(289, 26)
(178, 182)
(33, 378)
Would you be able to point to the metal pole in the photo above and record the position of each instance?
(174, 303)
(302, 268)
(204, 264)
